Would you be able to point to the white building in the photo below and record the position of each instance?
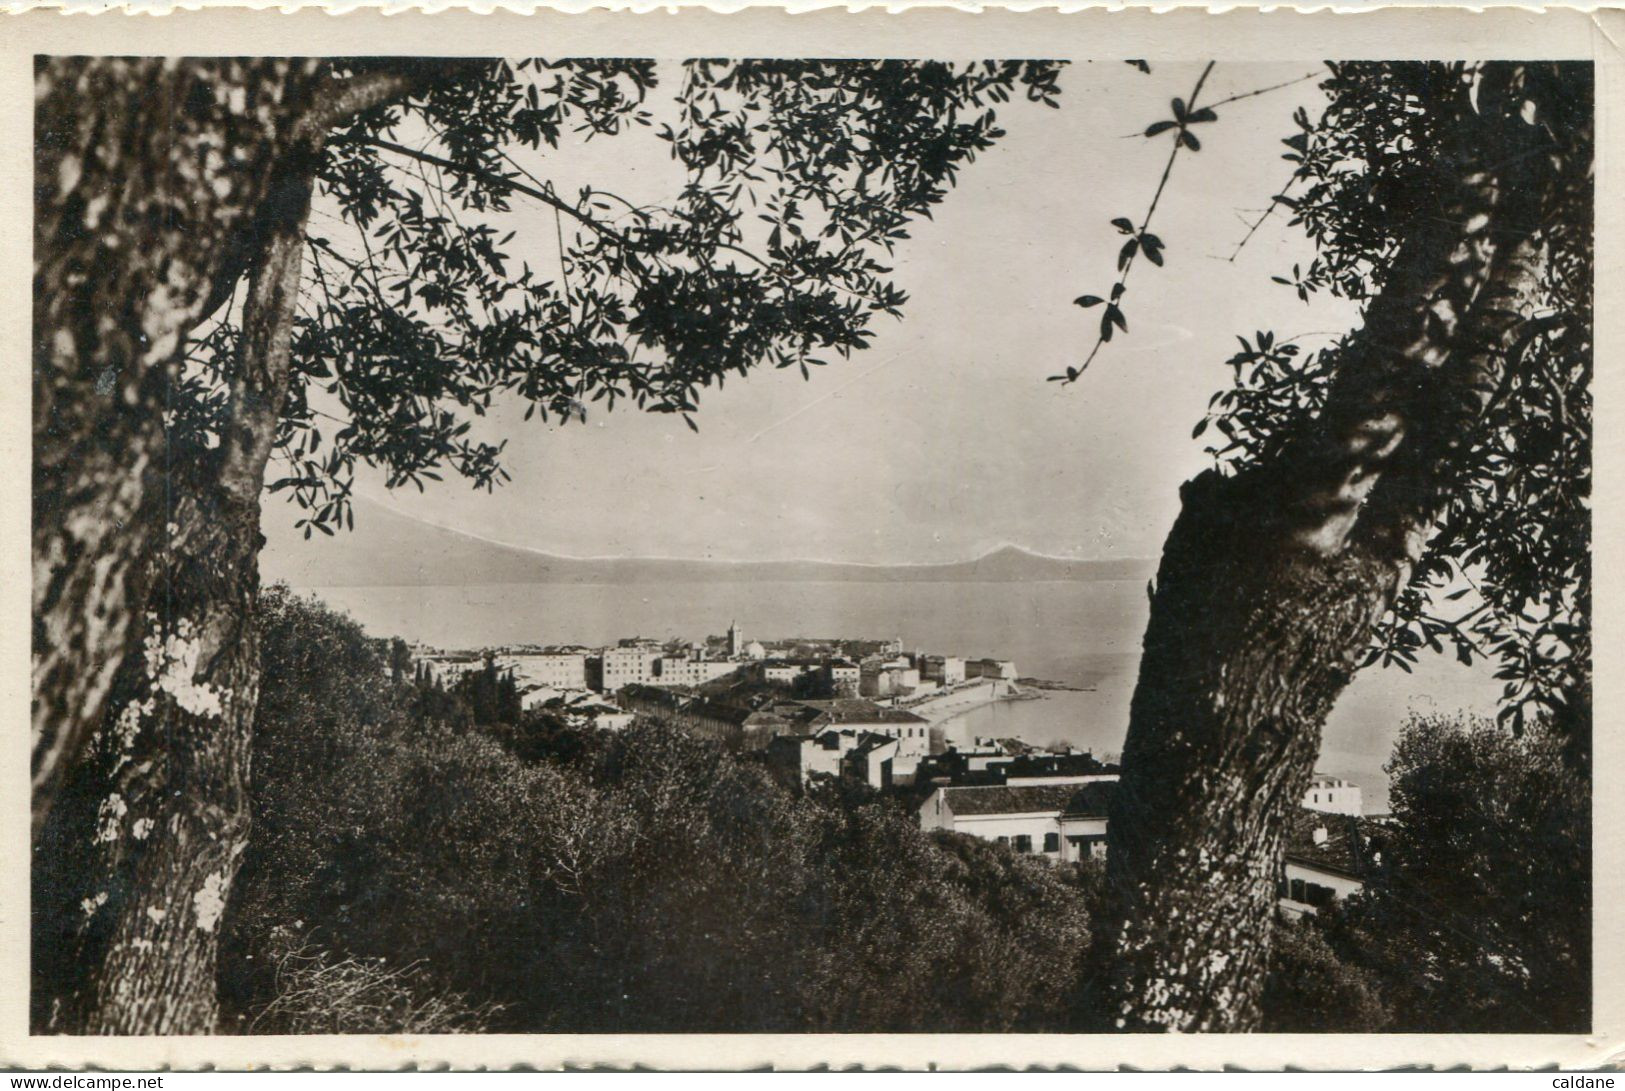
(1327, 855)
(912, 732)
(628, 666)
(888, 680)
(843, 675)
(447, 667)
(1327, 858)
(604, 716)
(856, 755)
(783, 671)
(947, 670)
(1063, 822)
(558, 670)
(683, 671)
(1333, 795)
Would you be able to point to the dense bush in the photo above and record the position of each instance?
(647, 880)
(412, 870)
(1479, 918)
(1310, 990)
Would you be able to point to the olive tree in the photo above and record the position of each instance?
(194, 325)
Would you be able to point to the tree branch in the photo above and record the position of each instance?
(1426, 363)
(359, 93)
(1145, 223)
(508, 184)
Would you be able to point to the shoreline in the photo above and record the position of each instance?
(949, 706)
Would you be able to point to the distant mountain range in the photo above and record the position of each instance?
(389, 549)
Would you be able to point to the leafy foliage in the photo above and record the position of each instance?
(1506, 575)
(418, 314)
(644, 880)
(1479, 918)
(1507, 572)
(1310, 990)
(1140, 240)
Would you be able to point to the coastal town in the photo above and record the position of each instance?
(869, 712)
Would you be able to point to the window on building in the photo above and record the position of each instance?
(1024, 843)
(1297, 887)
(1052, 842)
(1004, 840)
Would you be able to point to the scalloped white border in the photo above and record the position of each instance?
(810, 27)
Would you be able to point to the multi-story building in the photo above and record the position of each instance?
(684, 671)
(1002, 670)
(861, 756)
(1327, 855)
(947, 670)
(557, 670)
(719, 720)
(889, 679)
(447, 667)
(627, 666)
(844, 675)
(855, 714)
(1334, 795)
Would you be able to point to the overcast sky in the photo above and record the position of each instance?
(944, 440)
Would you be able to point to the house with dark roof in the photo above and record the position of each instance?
(720, 720)
(913, 733)
(1327, 858)
(1062, 821)
(846, 753)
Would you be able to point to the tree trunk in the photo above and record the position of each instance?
(160, 184)
(168, 772)
(1272, 581)
(148, 174)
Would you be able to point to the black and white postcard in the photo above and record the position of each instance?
(1006, 536)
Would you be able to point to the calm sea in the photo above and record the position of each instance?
(1085, 634)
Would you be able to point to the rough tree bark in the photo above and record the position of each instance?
(135, 862)
(1272, 581)
(148, 174)
(168, 772)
